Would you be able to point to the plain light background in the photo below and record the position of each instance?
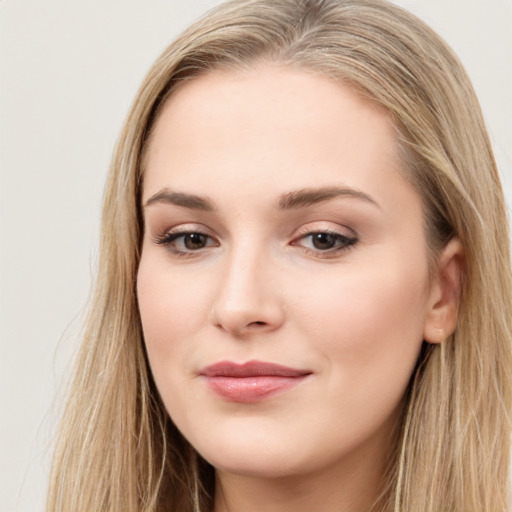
(69, 70)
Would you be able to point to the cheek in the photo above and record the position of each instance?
(367, 322)
(172, 309)
(172, 306)
(368, 330)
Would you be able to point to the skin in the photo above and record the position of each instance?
(256, 287)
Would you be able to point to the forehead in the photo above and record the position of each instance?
(270, 125)
(270, 97)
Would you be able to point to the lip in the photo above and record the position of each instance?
(252, 381)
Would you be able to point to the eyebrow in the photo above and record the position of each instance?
(191, 201)
(310, 196)
(296, 199)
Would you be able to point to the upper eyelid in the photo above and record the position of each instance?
(187, 228)
(305, 229)
(339, 229)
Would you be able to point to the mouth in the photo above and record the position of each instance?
(252, 381)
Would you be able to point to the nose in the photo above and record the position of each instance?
(247, 300)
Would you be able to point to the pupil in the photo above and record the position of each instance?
(195, 241)
(323, 241)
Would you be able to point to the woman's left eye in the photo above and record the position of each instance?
(325, 241)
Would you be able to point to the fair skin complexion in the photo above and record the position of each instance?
(279, 228)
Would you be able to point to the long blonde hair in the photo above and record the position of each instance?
(117, 449)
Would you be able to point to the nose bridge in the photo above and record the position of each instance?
(246, 299)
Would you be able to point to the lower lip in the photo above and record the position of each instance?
(251, 389)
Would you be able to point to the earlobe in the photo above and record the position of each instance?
(441, 317)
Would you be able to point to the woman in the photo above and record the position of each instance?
(304, 290)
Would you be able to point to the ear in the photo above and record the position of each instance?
(441, 316)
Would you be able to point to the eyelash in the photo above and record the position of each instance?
(343, 242)
(169, 238)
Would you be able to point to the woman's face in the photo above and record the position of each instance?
(283, 284)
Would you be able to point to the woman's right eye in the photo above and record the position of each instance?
(186, 242)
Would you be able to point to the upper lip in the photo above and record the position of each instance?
(251, 369)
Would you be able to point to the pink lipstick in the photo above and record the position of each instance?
(252, 381)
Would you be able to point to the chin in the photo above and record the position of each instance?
(253, 455)
(256, 465)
